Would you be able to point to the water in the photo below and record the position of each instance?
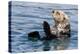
(27, 17)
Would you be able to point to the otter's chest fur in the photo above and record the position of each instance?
(62, 29)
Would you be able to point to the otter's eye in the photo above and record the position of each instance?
(64, 18)
(58, 13)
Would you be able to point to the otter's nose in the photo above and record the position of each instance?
(52, 11)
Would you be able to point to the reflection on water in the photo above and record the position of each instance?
(27, 17)
(56, 44)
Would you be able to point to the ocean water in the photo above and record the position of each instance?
(27, 17)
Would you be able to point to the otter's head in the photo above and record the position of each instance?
(59, 16)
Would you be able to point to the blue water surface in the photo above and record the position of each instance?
(27, 17)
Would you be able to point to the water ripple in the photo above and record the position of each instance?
(28, 17)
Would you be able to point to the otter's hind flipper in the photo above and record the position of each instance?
(47, 30)
(34, 35)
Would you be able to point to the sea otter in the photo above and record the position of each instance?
(60, 30)
(62, 24)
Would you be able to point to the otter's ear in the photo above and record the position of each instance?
(52, 11)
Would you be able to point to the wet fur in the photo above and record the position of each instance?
(62, 24)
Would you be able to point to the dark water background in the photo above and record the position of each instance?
(27, 17)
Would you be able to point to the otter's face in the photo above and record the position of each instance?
(58, 15)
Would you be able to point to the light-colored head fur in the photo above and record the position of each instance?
(59, 15)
